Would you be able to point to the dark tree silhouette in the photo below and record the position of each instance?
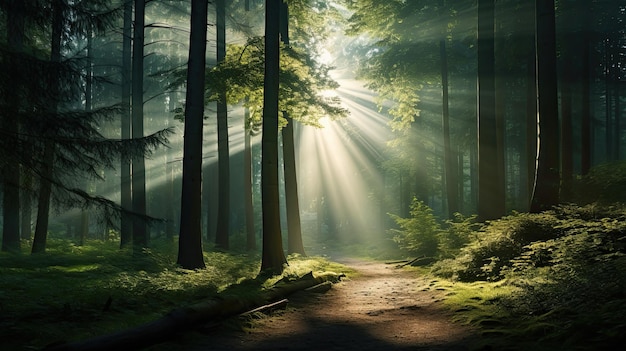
(190, 239)
(223, 208)
(490, 191)
(294, 230)
(546, 191)
(273, 257)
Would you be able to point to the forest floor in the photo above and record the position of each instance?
(379, 308)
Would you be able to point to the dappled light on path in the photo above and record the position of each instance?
(380, 308)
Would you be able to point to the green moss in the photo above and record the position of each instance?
(63, 294)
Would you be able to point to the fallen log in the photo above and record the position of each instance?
(419, 261)
(320, 288)
(397, 262)
(269, 307)
(185, 319)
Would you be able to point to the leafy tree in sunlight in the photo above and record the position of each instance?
(407, 59)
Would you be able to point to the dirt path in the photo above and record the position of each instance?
(380, 309)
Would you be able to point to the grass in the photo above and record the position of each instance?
(64, 294)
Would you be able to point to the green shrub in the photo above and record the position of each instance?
(418, 234)
(456, 233)
(497, 243)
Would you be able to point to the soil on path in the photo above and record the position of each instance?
(381, 308)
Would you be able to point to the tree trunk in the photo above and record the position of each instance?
(273, 257)
(248, 184)
(10, 124)
(43, 203)
(26, 205)
(223, 210)
(567, 165)
(138, 175)
(531, 126)
(449, 156)
(84, 215)
(45, 183)
(546, 192)
(586, 127)
(294, 230)
(190, 237)
(126, 226)
(490, 193)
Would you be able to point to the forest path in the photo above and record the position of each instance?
(381, 308)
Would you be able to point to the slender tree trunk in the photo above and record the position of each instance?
(531, 126)
(450, 158)
(43, 203)
(608, 94)
(490, 194)
(169, 184)
(294, 229)
(586, 126)
(26, 206)
(546, 192)
(10, 124)
(273, 257)
(223, 210)
(618, 124)
(138, 175)
(126, 226)
(567, 161)
(248, 184)
(45, 187)
(248, 175)
(84, 215)
(190, 238)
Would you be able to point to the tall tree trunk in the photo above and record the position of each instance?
(248, 184)
(531, 126)
(490, 193)
(608, 95)
(223, 210)
(170, 213)
(248, 175)
(45, 184)
(84, 215)
(273, 257)
(586, 126)
(190, 237)
(10, 124)
(546, 192)
(567, 161)
(618, 124)
(138, 174)
(26, 205)
(449, 156)
(294, 229)
(126, 225)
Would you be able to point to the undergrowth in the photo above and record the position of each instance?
(76, 292)
(549, 281)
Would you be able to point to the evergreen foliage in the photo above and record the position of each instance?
(51, 95)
